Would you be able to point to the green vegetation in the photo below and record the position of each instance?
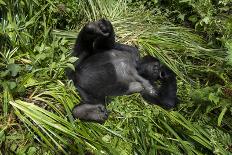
(192, 37)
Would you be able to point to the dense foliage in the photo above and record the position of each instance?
(193, 37)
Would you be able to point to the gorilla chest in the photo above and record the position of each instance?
(124, 65)
(124, 69)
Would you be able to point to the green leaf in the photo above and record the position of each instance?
(62, 57)
(12, 84)
(206, 20)
(30, 82)
(72, 59)
(106, 138)
(2, 135)
(41, 56)
(71, 66)
(31, 151)
(229, 52)
(2, 2)
(221, 116)
(214, 98)
(181, 16)
(184, 1)
(14, 69)
(193, 18)
(4, 73)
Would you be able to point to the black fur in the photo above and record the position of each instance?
(107, 68)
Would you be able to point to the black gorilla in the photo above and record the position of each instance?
(107, 68)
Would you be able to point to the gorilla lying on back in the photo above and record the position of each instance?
(107, 68)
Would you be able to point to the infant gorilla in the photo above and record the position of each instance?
(107, 68)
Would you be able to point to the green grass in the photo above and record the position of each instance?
(36, 98)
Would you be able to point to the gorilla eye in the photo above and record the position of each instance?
(155, 68)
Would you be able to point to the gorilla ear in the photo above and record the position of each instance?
(163, 75)
(166, 73)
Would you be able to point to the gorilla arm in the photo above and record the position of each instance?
(152, 70)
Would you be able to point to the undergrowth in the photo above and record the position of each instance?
(36, 98)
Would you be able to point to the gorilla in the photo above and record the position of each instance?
(106, 68)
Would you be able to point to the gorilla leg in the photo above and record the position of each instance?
(89, 98)
(107, 41)
(92, 36)
(91, 108)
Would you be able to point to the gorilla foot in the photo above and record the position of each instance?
(151, 91)
(134, 87)
(90, 112)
